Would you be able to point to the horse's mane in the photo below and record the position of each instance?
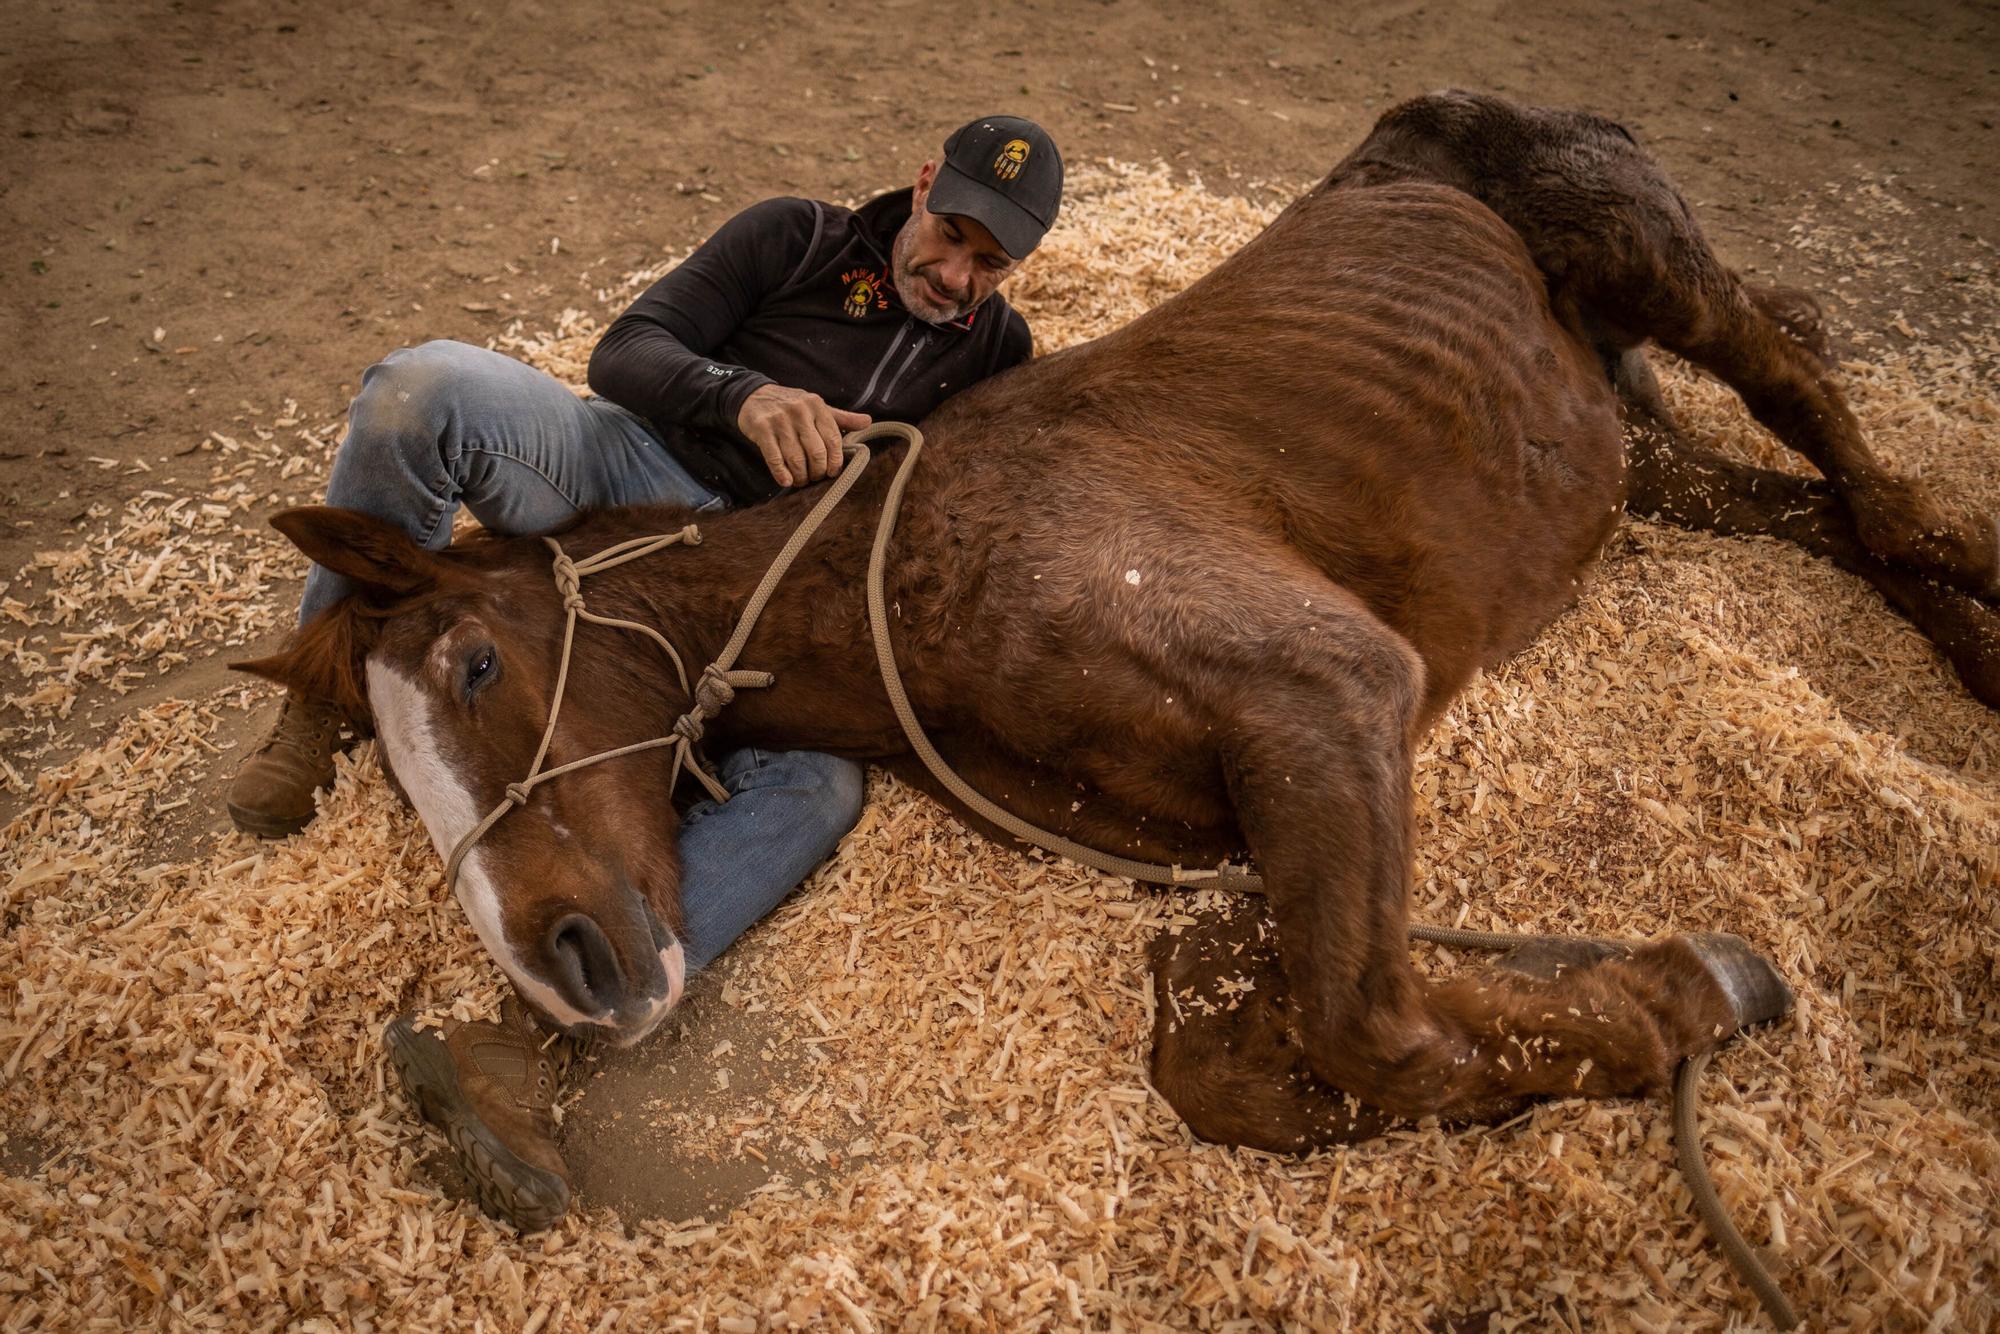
(325, 656)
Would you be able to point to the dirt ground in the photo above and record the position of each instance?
(283, 192)
(212, 209)
(216, 208)
(217, 214)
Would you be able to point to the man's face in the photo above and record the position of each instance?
(945, 264)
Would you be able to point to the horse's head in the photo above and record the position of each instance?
(453, 657)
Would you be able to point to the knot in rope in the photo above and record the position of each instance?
(568, 582)
(713, 693)
(717, 685)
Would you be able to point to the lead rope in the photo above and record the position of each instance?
(1708, 1205)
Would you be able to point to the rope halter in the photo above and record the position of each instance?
(719, 681)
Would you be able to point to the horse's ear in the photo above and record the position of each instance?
(368, 550)
(323, 659)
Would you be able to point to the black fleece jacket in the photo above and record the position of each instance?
(796, 293)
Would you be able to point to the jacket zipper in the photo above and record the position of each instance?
(904, 369)
(874, 379)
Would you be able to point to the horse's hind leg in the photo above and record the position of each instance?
(1672, 478)
(1626, 262)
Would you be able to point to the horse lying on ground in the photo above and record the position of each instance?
(1190, 591)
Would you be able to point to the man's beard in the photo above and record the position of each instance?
(914, 291)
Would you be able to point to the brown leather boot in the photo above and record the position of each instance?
(491, 1088)
(272, 793)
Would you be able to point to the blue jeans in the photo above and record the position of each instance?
(447, 424)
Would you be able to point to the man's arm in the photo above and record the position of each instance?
(654, 359)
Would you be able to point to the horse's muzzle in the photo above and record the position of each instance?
(625, 998)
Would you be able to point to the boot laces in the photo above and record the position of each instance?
(306, 726)
(550, 1057)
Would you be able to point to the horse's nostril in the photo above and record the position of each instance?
(586, 967)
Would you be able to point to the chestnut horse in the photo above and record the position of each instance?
(1194, 590)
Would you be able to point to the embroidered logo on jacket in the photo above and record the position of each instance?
(1012, 158)
(865, 288)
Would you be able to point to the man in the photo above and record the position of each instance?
(727, 381)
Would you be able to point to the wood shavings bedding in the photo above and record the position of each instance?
(164, 580)
(201, 1130)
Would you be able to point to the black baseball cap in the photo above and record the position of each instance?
(1005, 173)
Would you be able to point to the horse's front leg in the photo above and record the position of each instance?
(1319, 772)
(1226, 1052)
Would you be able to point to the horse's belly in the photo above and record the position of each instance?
(1377, 385)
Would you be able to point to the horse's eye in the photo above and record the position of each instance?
(479, 670)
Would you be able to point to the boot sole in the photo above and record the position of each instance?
(506, 1186)
(263, 824)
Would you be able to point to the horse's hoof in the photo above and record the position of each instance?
(1549, 957)
(1756, 993)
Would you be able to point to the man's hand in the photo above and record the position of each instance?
(797, 433)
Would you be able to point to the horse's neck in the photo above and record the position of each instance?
(701, 589)
(812, 634)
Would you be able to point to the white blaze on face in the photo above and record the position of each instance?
(408, 736)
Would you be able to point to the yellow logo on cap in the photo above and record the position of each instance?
(1012, 158)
